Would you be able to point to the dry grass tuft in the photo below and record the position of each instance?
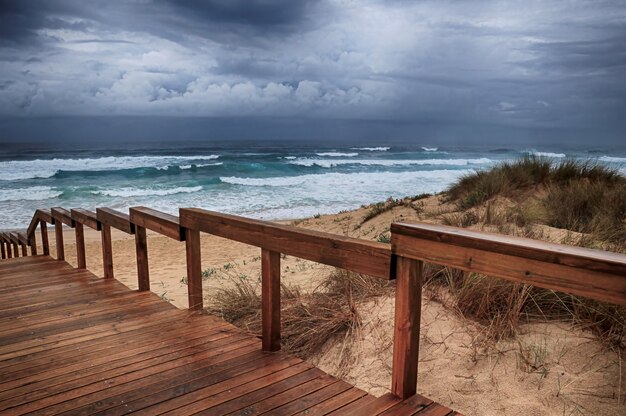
(309, 320)
(502, 306)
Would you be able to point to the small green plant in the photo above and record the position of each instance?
(317, 216)
(228, 266)
(384, 238)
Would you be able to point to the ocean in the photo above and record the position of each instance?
(283, 180)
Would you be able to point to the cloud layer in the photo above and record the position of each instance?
(525, 64)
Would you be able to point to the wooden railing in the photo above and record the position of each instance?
(591, 273)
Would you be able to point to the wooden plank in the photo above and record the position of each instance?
(409, 275)
(206, 393)
(22, 238)
(107, 251)
(435, 409)
(39, 215)
(270, 300)
(408, 407)
(272, 401)
(62, 215)
(194, 269)
(58, 233)
(59, 380)
(141, 248)
(317, 397)
(200, 358)
(151, 219)
(526, 248)
(115, 219)
(44, 238)
(80, 246)
(574, 280)
(334, 403)
(201, 373)
(86, 217)
(350, 409)
(32, 242)
(353, 254)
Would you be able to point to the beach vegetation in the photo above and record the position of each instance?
(308, 319)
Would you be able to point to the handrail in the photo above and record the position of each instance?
(360, 256)
(591, 273)
(160, 222)
(579, 271)
(115, 219)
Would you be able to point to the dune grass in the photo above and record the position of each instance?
(579, 196)
(309, 320)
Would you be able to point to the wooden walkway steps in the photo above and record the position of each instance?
(72, 343)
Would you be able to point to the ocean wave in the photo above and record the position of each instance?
(332, 180)
(337, 154)
(277, 181)
(200, 165)
(545, 154)
(612, 159)
(372, 149)
(429, 149)
(47, 168)
(324, 163)
(131, 192)
(35, 193)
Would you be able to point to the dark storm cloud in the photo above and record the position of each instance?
(256, 13)
(531, 64)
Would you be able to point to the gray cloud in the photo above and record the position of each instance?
(520, 64)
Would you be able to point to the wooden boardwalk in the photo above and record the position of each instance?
(72, 343)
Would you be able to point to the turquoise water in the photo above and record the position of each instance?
(281, 181)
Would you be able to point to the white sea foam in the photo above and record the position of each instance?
(34, 193)
(372, 149)
(325, 163)
(288, 157)
(132, 192)
(429, 149)
(46, 168)
(337, 154)
(545, 154)
(613, 159)
(333, 180)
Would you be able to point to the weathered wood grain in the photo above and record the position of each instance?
(62, 215)
(194, 269)
(107, 251)
(270, 300)
(85, 217)
(115, 219)
(573, 277)
(81, 258)
(409, 278)
(359, 256)
(151, 219)
(44, 237)
(143, 270)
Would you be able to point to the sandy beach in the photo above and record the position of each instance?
(576, 375)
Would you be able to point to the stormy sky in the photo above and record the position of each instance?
(523, 70)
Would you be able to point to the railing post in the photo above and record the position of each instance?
(58, 231)
(80, 246)
(32, 241)
(107, 251)
(44, 237)
(141, 246)
(4, 254)
(24, 249)
(194, 268)
(16, 249)
(270, 299)
(9, 251)
(409, 275)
